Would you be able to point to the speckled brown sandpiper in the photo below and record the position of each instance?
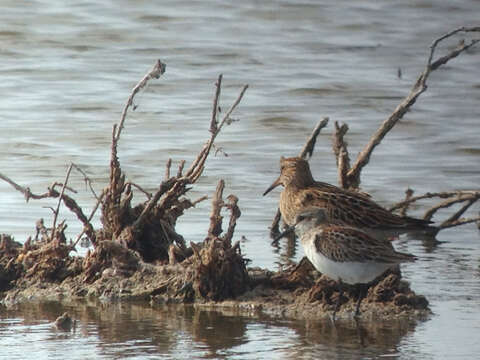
(343, 253)
(342, 207)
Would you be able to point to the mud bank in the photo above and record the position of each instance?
(299, 292)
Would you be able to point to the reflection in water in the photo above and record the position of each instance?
(217, 331)
(357, 337)
(139, 330)
(286, 248)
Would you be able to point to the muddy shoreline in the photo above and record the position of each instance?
(298, 292)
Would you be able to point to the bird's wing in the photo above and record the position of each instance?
(340, 243)
(347, 207)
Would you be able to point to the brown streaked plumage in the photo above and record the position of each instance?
(344, 253)
(343, 207)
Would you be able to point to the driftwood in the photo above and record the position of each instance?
(149, 228)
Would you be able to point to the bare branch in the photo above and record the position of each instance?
(60, 201)
(447, 203)
(87, 180)
(28, 193)
(235, 213)
(157, 70)
(88, 227)
(164, 187)
(196, 169)
(307, 150)
(452, 219)
(215, 228)
(214, 122)
(167, 168)
(428, 195)
(458, 223)
(419, 87)
(180, 169)
(200, 199)
(341, 154)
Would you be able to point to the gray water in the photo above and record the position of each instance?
(67, 69)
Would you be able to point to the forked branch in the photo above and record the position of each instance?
(353, 175)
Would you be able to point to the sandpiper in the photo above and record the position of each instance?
(343, 253)
(342, 207)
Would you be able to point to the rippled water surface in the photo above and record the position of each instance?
(67, 70)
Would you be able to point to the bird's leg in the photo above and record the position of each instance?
(361, 294)
(340, 292)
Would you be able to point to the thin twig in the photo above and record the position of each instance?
(452, 219)
(157, 70)
(86, 228)
(86, 179)
(447, 203)
(28, 193)
(196, 169)
(60, 201)
(458, 223)
(200, 199)
(429, 195)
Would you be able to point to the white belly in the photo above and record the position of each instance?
(350, 272)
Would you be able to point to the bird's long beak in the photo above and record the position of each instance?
(273, 186)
